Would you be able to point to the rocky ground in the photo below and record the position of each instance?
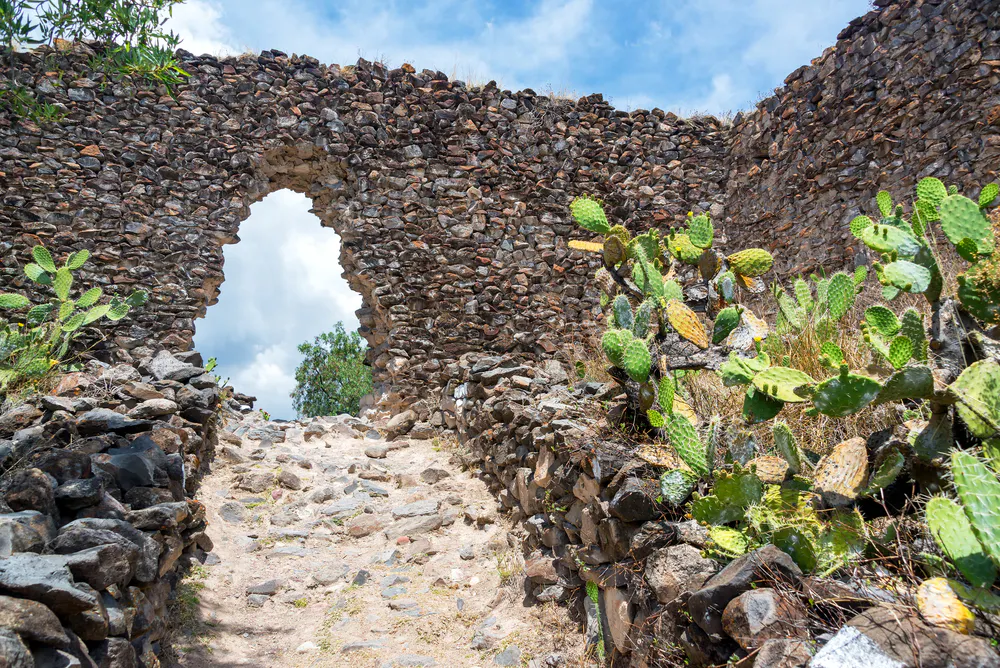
(335, 547)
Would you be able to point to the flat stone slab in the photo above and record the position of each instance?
(416, 509)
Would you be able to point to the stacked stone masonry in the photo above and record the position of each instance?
(451, 202)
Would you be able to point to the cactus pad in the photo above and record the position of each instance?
(939, 605)
(751, 262)
(883, 320)
(907, 276)
(647, 395)
(780, 382)
(931, 190)
(613, 343)
(672, 290)
(684, 439)
(636, 361)
(606, 282)
(961, 218)
(953, 533)
(840, 295)
(900, 351)
(886, 473)
(586, 246)
(884, 201)
(888, 238)
(686, 322)
(751, 284)
(770, 470)
(680, 247)
(794, 314)
(840, 476)
(979, 492)
(728, 541)
(676, 486)
(666, 395)
(845, 394)
(912, 327)
(980, 298)
(700, 231)
(758, 407)
(803, 294)
(732, 494)
(643, 315)
(725, 322)
(614, 251)
(915, 382)
(831, 353)
(797, 544)
(589, 213)
(978, 392)
(623, 312)
(655, 418)
(784, 441)
(859, 224)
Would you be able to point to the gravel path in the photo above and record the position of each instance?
(334, 548)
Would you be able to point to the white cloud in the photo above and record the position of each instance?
(200, 24)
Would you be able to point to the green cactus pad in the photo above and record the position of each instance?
(623, 312)
(758, 407)
(636, 361)
(988, 194)
(833, 354)
(978, 490)
(859, 224)
(680, 247)
(981, 299)
(712, 437)
(725, 285)
(931, 190)
(803, 294)
(672, 290)
(10, 300)
(912, 327)
(732, 494)
(655, 418)
(840, 295)
(907, 276)
(794, 314)
(915, 382)
(645, 247)
(643, 315)
(751, 262)
(614, 343)
(728, 541)
(685, 441)
(700, 231)
(900, 352)
(953, 533)
(647, 395)
(886, 473)
(978, 391)
(666, 395)
(676, 486)
(798, 545)
(860, 274)
(784, 441)
(621, 232)
(589, 213)
(961, 218)
(734, 372)
(884, 201)
(968, 250)
(727, 320)
(887, 238)
(779, 382)
(883, 320)
(845, 394)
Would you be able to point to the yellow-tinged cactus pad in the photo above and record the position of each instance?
(751, 262)
(686, 322)
(842, 475)
(680, 247)
(939, 605)
(780, 382)
(588, 246)
(770, 470)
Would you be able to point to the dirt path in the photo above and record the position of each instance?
(333, 548)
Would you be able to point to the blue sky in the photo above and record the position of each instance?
(685, 56)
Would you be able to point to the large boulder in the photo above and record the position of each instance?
(31, 489)
(45, 578)
(401, 423)
(32, 621)
(759, 615)
(25, 531)
(674, 570)
(85, 533)
(165, 366)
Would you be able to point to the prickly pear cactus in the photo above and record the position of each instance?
(685, 440)
(886, 473)
(770, 470)
(961, 218)
(680, 246)
(643, 316)
(784, 441)
(781, 382)
(841, 476)
(727, 541)
(732, 495)
(979, 491)
(636, 361)
(700, 231)
(840, 295)
(883, 320)
(614, 343)
(953, 533)
(845, 394)
(589, 213)
(676, 485)
(726, 321)
(622, 310)
(915, 382)
(686, 323)
(752, 262)
(978, 391)
(940, 606)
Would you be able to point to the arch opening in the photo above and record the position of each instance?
(284, 285)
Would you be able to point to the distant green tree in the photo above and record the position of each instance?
(332, 377)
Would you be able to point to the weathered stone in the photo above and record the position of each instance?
(46, 579)
(13, 652)
(32, 621)
(25, 531)
(153, 408)
(675, 570)
(783, 653)
(401, 423)
(759, 615)
(416, 509)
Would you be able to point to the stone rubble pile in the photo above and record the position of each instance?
(96, 509)
(591, 510)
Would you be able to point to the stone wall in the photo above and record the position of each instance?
(451, 203)
(909, 90)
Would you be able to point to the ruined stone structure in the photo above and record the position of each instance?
(452, 202)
